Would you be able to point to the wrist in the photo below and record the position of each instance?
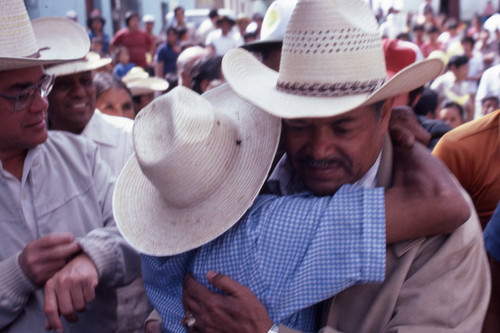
(274, 329)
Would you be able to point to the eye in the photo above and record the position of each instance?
(25, 94)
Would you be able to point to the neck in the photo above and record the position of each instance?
(14, 163)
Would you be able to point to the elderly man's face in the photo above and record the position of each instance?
(330, 152)
(26, 128)
(72, 102)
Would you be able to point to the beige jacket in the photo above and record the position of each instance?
(434, 284)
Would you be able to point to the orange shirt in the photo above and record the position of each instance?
(472, 153)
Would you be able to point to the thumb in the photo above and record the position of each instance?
(226, 284)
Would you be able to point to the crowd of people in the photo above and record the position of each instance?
(326, 167)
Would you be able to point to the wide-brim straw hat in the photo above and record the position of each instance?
(200, 161)
(273, 26)
(139, 82)
(331, 62)
(90, 62)
(25, 43)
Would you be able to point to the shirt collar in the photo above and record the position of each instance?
(96, 130)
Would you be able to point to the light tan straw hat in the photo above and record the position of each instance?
(90, 62)
(199, 163)
(42, 41)
(139, 82)
(331, 62)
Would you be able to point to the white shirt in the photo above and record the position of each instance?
(489, 85)
(113, 136)
(222, 43)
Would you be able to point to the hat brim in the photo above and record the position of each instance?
(262, 45)
(146, 85)
(154, 227)
(256, 83)
(58, 40)
(78, 66)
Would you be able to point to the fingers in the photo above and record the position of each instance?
(51, 308)
(41, 258)
(226, 284)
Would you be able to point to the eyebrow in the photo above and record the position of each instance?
(23, 85)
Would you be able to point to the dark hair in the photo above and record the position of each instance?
(176, 9)
(418, 27)
(206, 69)
(458, 61)
(468, 39)
(451, 104)
(119, 50)
(129, 15)
(103, 81)
(213, 13)
(432, 29)
(427, 103)
(172, 28)
(490, 98)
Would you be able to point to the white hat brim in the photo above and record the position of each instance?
(58, 39)
(256, 83)
(154, 227)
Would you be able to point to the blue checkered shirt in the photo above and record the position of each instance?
(292, 251)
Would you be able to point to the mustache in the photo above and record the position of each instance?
(328, 162)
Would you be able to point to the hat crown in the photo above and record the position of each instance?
(276, 19)
(17, 38)
(331, 48)
(194, 147)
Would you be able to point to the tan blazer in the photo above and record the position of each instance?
(434, 284)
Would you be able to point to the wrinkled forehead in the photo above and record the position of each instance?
(30, 75)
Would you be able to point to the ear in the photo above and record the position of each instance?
(385, 114)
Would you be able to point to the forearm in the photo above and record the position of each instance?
(116, 262)
(15, 290)
(425, 200)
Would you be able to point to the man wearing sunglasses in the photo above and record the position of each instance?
(61, 253)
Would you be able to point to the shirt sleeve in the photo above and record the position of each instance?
(492, 235)
(310, 250)
(117, 263)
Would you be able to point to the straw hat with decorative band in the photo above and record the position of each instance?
(42, 41)
(199, 163)
(331, 62)
(90, 62)
(139, 82)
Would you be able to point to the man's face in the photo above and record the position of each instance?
(133, 23)
(451, 116)
(179, 15)
(72, 102)
(489, 106)
(172, 37)
(22, 129)
(330, 152)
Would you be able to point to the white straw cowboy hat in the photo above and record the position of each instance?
(199, 163)
(139, 82)
(273, 26)
(90, 62)
(39, 42)
(331, 62)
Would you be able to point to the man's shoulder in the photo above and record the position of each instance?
(118, 123)
(473, 131)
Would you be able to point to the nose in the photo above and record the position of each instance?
(77, 90)
(39, 103)
(322, 143)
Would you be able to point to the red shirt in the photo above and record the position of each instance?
(138, 44)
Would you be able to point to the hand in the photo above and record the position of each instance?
(237, 311)
(405, 128)
(42, 258)
(153, 326)
(69, 290)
